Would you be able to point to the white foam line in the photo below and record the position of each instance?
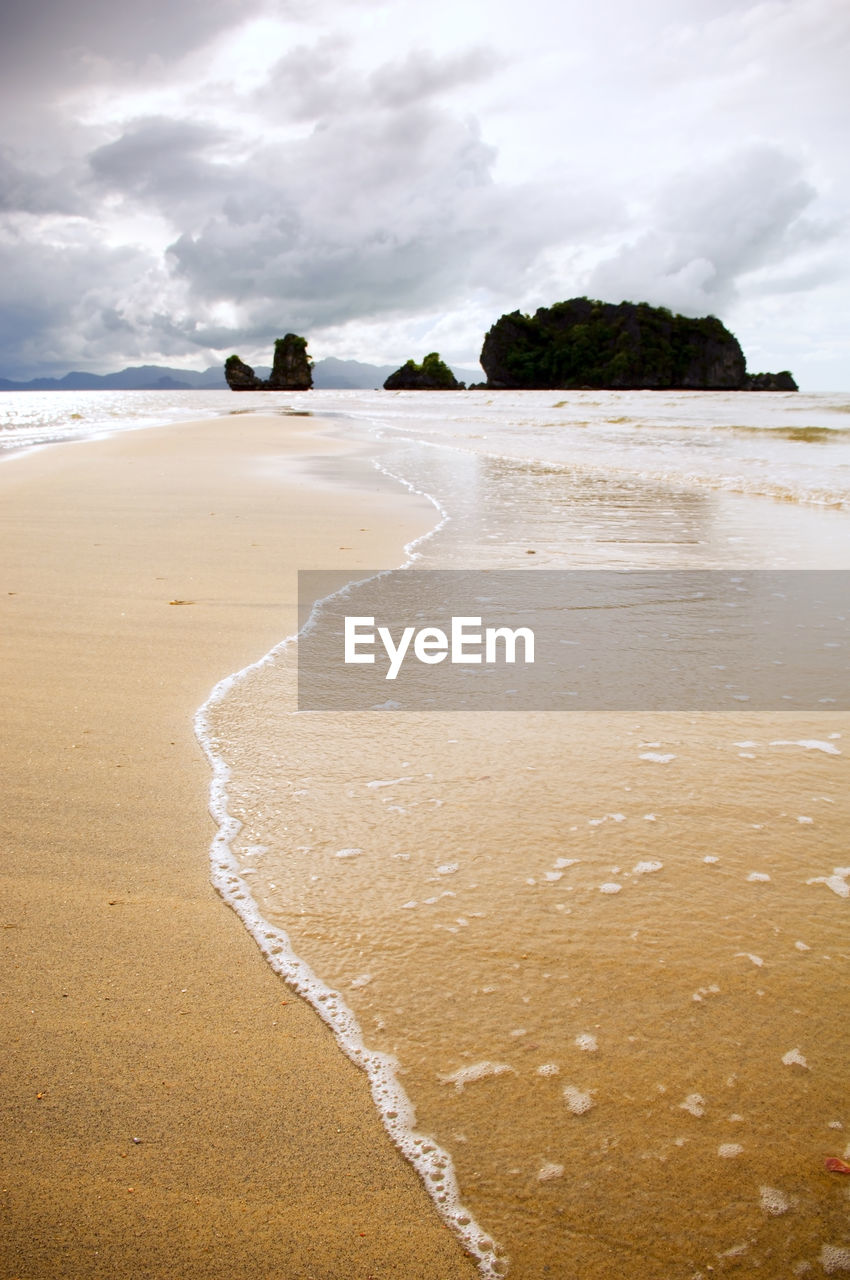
(433, 1164)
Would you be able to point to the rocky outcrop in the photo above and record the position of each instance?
(241, 377)
(586, 344)
(292, 369)
(771, 382)
(431, 375)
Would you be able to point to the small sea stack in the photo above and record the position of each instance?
(292, 369)
(433, 374)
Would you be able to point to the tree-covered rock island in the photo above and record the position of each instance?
(292, 369)
(627, 346)
(433, 374)
(575, 345)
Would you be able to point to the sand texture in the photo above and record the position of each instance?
(170, 1109)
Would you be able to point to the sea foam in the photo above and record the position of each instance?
(432, 1163)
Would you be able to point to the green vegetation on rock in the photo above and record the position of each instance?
(587, 344)
(292, 369)
(432, 374)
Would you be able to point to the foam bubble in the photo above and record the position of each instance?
(801, 946)
(748, 955)
(548, 1069)
(774, 1201)
(758, 877)
(566, 862)
(837, 882)
(448, 868)
(476, 1071)
(694, 1103)
(729, 1150)
(834, 1257)
(657, 757)
(794, 1058)
(810, 744)
(386, 782)
(610, 887)
(587, 1042)
(577, 1100)
(644, 868)
(348, 853)
(550, 1171)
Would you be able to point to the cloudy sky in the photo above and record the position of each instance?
(184, 178)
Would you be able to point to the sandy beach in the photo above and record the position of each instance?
(170, 1107)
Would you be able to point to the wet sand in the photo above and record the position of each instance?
(170, 1108)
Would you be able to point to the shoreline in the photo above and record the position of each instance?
(136, 1006)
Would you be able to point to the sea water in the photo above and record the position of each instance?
(31, 419)
(595, 965)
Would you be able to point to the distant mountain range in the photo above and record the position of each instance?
(329, 375)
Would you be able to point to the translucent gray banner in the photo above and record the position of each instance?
(547, 640)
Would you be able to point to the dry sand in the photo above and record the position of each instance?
(170, 1109)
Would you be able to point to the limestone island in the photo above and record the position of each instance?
(292, 369)
(431, 375)
(623, 347)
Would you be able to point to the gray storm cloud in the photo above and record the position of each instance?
(381, 210)
(25, 191)
(92, 39)
(384, 212)
(710, 229)
(157, 201)
(60, 305)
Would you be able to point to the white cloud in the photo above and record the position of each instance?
(194, 176)
(709, 229)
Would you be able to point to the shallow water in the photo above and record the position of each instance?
(30, 419)
(564, 928)
(606, 952)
